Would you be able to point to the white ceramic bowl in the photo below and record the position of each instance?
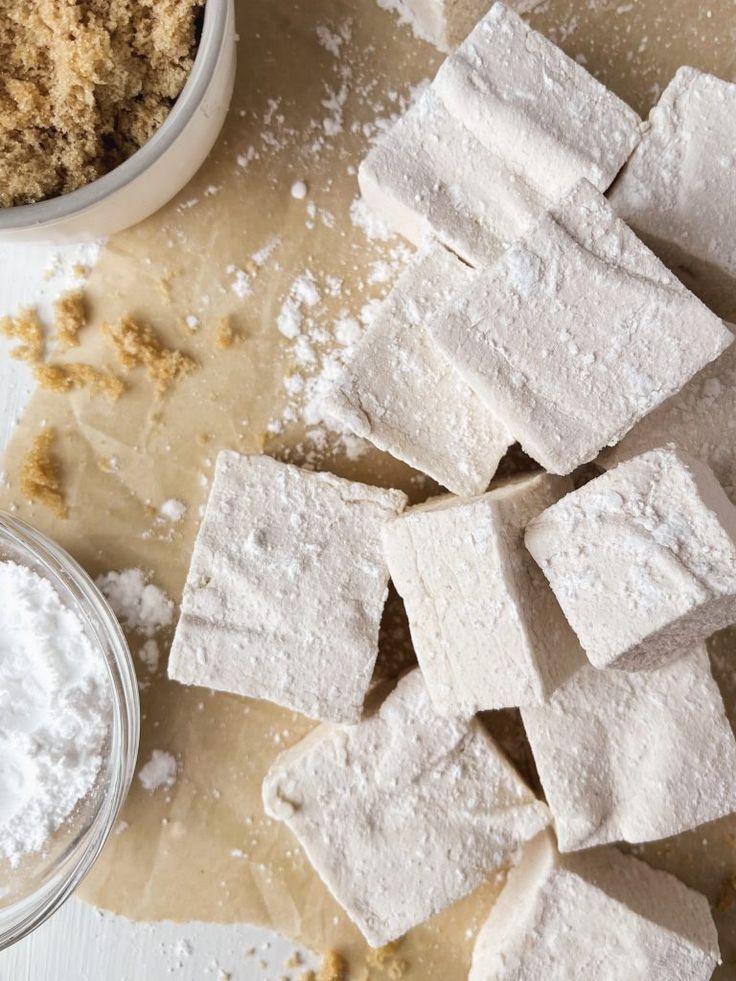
(34, 890)
(155, 173)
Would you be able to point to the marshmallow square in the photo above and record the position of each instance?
(524, 99)
(509, 123)
(402, 394)
(444, 23)
(634, 755)
(678, 191)
(404, 813)
(642, 559)
(599, 915)
(700, 419)
(429, 176)
(286, 587)
(487, 630)
(577, 332)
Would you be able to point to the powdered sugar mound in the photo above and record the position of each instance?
(173, 510)
(372, 226)
(159, 771)
(55, 711)
(139, 604)
(149, 655)
(333, 41)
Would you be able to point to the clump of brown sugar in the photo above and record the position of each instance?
(69, 377)
(40, 475)
(388, 961)
(136, 345)
(24, 327)
(224, 334)
(70, 316)
(84, 84)
(333, 967)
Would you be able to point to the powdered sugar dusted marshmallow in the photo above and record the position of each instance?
(444, 23)
(286, 588)
(642, 559)
(634, 755)
(700, 419)
(577, 332)
(404, 813)
(401, 393)
(428, 175)
(600, 915)
(678, 191)
(509, 123)
(540, 111)
(486, 628)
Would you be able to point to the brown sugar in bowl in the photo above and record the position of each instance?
(155, 173)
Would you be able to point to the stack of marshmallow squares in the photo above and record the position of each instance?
(533, 313)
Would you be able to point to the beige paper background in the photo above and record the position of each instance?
(174, 858)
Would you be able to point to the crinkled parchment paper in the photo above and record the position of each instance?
(203, 848)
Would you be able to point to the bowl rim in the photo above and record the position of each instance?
(59, 566)
(64, 206)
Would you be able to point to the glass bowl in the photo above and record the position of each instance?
(37, 887)
(153, 175)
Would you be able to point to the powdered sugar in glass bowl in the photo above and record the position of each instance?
(62, 788)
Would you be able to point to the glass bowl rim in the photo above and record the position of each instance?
(60, 567)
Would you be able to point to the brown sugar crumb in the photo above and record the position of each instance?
(386, 959)
(224, 334)
(307, 976)
(333, 967)
(84, 84)
(136, 345)
(70, 377)
(108, 464)
(40, 476)
(26, 328)
(70, 316)
(294, 960)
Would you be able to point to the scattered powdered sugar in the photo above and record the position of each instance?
(159, 771)
(139, 604)
(371, 224)
(241, 283)
(173, 510)
(303, 293)
(149, 655)
(333, 41)
(55, 711)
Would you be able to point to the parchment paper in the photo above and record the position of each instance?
(203, 849)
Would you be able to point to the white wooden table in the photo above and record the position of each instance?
(81, 943)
